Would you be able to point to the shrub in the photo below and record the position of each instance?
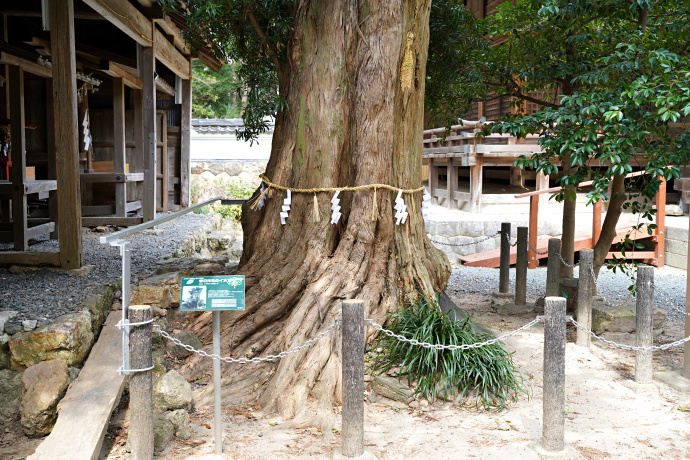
(487, 374)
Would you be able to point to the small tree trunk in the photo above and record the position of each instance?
(568, 237)
(608, 229)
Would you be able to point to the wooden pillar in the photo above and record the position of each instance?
(596, 222)
(660, 219)
(18, 157)
(65, 96)
(149, 130)
(517, 176)
(52, 158)
(139, 139)
(451, 182)
(433, 180)
(476, 178)
(119, 153)
(185, 143)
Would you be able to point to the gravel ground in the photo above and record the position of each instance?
(46, 294)
(669, 283)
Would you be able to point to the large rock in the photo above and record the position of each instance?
(163, 432)
(162, 291)
(4, 351)
(43, 386)
(10, 395)
(68, 339)
(171, 392)
(180, 420)
(5, 316)
(187, 338)
(391, 388)
(620, 319)
(186, 265)
(98, 305)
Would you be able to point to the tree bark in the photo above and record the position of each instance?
(608, 229)
(355, 89)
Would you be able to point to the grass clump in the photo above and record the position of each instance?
(486, 374)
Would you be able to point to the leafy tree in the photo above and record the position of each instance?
(345, 81)
(621, 71)
(216, 94)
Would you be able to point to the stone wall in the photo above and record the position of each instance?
(676, 247)
(209, 178)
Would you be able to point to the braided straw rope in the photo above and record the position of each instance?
(270, 185)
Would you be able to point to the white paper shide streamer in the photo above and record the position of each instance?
(400, 208)
(87, 130)
(263, 198)
(426, 204)
(335, 207)
(286, 207)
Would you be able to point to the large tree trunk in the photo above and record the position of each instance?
(355, 91)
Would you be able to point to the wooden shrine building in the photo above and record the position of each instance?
(95, 115)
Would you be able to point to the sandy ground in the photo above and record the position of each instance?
(604, 419)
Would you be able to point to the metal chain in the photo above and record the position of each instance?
(454, 347)
(507, 237)
(628, 347)
(534, 250)
(608, 301)
(672, 305)
(563, 260)
(228, 359)
(467, 244)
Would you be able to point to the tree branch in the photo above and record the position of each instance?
(264, 40)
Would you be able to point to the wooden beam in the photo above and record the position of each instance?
(170, 57)
(476, 179)
(111, 177)
(119, 154)
(98, 210)
(125, 17)
(29, 258)
(149, 131)
(164, 87)
(33, 232)
(29, 66)
(532, 258)
(117, 71)
(133, 206)
(52, 159)
(139, 141)
(18, 173)
(167, 24)
(119, 221)
(185, 144)
(66, 125)
(164, 161)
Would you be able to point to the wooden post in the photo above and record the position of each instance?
(644, 307)
(185, 143)
(353, 378)
(596, 222)
(452, 182)
(521, 267)
(52, 159)
(584, 297)
(119, 153)
(140, 384)
(686, 348)
(139, 139)
(542, 183)
(532, 261)
(433, 180)
(18, 157)
(504, 274)
(660, 220)
(517, 176)
(553, 269)
(149, 130)
(476, 178)
(554, 374)
(66, 130)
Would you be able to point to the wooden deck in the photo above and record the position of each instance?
(583, 240)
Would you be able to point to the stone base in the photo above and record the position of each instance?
(337, 454)
(641, 387)
(674, 379)
(568, 452)
(505, 308)
(503, 295)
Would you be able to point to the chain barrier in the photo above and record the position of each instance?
(228, 359)
(627, 299)
(563, 260)
(535, 251)
(671, 304)
(665, 346)
(486, 238)
(507, 237)
(453, 347)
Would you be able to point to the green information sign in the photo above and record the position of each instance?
(212, 293)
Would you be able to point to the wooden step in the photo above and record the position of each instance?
(84, 412)
(583, 240)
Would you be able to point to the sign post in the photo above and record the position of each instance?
(214, 293)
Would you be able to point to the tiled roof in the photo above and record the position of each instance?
(222, 125)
